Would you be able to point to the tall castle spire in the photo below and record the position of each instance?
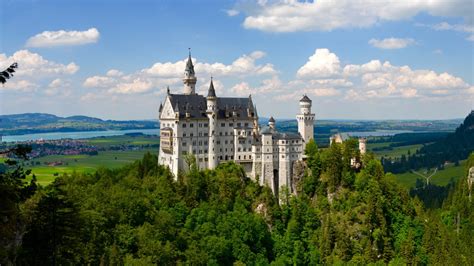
(189, 79)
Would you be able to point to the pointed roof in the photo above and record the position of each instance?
(189, 64)
(305, 99)
(211, 92)
(271, 120)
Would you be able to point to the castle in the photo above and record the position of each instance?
(219, 129)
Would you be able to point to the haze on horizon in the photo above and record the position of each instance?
(114, 60)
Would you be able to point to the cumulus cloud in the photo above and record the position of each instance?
(170, 73)
(321, 64)
(391, 43)
(242, 66)
(63, 38)
(33, 64)
(327, 15)
(35, 72)
(323, 76)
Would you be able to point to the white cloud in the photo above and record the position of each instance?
(321, 64)
(34, 65)
(327, 15)
(391, 43)
(323, 76)
(58, 87)
(19, 85)
(232, 12)
(170, 73)
(136, 86)
(445, 26)
(63, 38)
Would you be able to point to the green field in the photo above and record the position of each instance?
(396, 152)
(124, 140)
(83, 163)
(441, 178)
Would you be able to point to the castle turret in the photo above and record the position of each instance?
(211, 112)
(362, 145)
(189, 79)
(306, 119)
(271, 123)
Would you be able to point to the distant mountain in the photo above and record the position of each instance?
(28, 123)
(452, 148)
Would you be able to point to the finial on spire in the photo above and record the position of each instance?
(189, 49)
(168, 90)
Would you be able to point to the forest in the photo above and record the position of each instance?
(138, 215)
(453, 147)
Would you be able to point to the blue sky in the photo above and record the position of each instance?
(355, 59)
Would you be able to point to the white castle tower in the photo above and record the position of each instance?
(189, 79)
(211, 112)
(362, 145)
(305, 119)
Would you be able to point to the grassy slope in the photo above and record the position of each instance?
(395, 152)
(441, 177)
(83, 163)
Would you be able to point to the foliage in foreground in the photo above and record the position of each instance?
(138, 215)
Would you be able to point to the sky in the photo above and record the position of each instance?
(388, 59)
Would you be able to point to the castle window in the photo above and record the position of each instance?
(194, 143)
(205, 124)
(184, 134)
(200, 151)
(220, 149)
(184, 125)
(231, 124)
(226, 133)
(238, 149)
(205, 142)
(191, 134)
(246, 124)
(191, 125)
(200, 134)
(184, 143)
(244, 157)
(206, 134)
(222, 124)
(220, 133)
(218, 142)
(231, 142)
(239, 157)
(205, 151)
(200, 143)
(226, 142)
(239, 124)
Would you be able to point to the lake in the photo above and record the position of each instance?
(77, 135)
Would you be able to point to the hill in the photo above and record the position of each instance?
(28, 123)
(452, 148)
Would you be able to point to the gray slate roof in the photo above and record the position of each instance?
(196, 105)
(189, 65)
(305, 99)
(279, 135)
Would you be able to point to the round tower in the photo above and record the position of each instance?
(211, 101)
(306, 119)
(362, 145)
(271, 123)
(189, 79)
